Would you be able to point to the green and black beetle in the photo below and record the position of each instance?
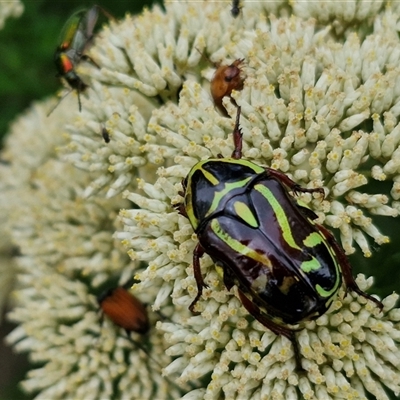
(76, 36)
(287, 268)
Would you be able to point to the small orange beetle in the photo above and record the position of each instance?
(226, 79)
(125, 310)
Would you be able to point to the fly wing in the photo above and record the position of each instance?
(70, 28)
(84, 30)
(90, 21)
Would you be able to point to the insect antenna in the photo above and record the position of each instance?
(62, 98)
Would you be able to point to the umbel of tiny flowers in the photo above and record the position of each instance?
(7, 265)
(318, 104)
(311, 108)
(67, 258)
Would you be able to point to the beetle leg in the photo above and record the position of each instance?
(254, 310)
(184, 185)
(346, 268)
(79, 100)
(229, 281)
(85, 57)
(237, 138)
(292, 185)
(197, 254)
(183, 191)
(181, 209)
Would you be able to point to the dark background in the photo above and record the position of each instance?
(27, 73)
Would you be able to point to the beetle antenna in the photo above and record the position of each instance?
(79, 101)
(62, 98)
(151, 358)
(143, 348)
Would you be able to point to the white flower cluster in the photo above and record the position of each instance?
(68, 257)
(318, 104)
(12, 8)
(15, 177)
(248, 362)
(350, 12)
(80, 356)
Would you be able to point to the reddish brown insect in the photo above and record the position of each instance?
(226, 79)
(125, 310)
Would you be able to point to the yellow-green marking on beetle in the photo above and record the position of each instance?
(238, 246)
(280, 215)
(313, 239)
(243, 211)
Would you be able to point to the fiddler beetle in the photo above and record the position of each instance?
(287, 268)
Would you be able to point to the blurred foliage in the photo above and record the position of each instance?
(27, 46)
(13, 370)
(384, 263)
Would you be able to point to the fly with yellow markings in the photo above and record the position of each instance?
(287, 268)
